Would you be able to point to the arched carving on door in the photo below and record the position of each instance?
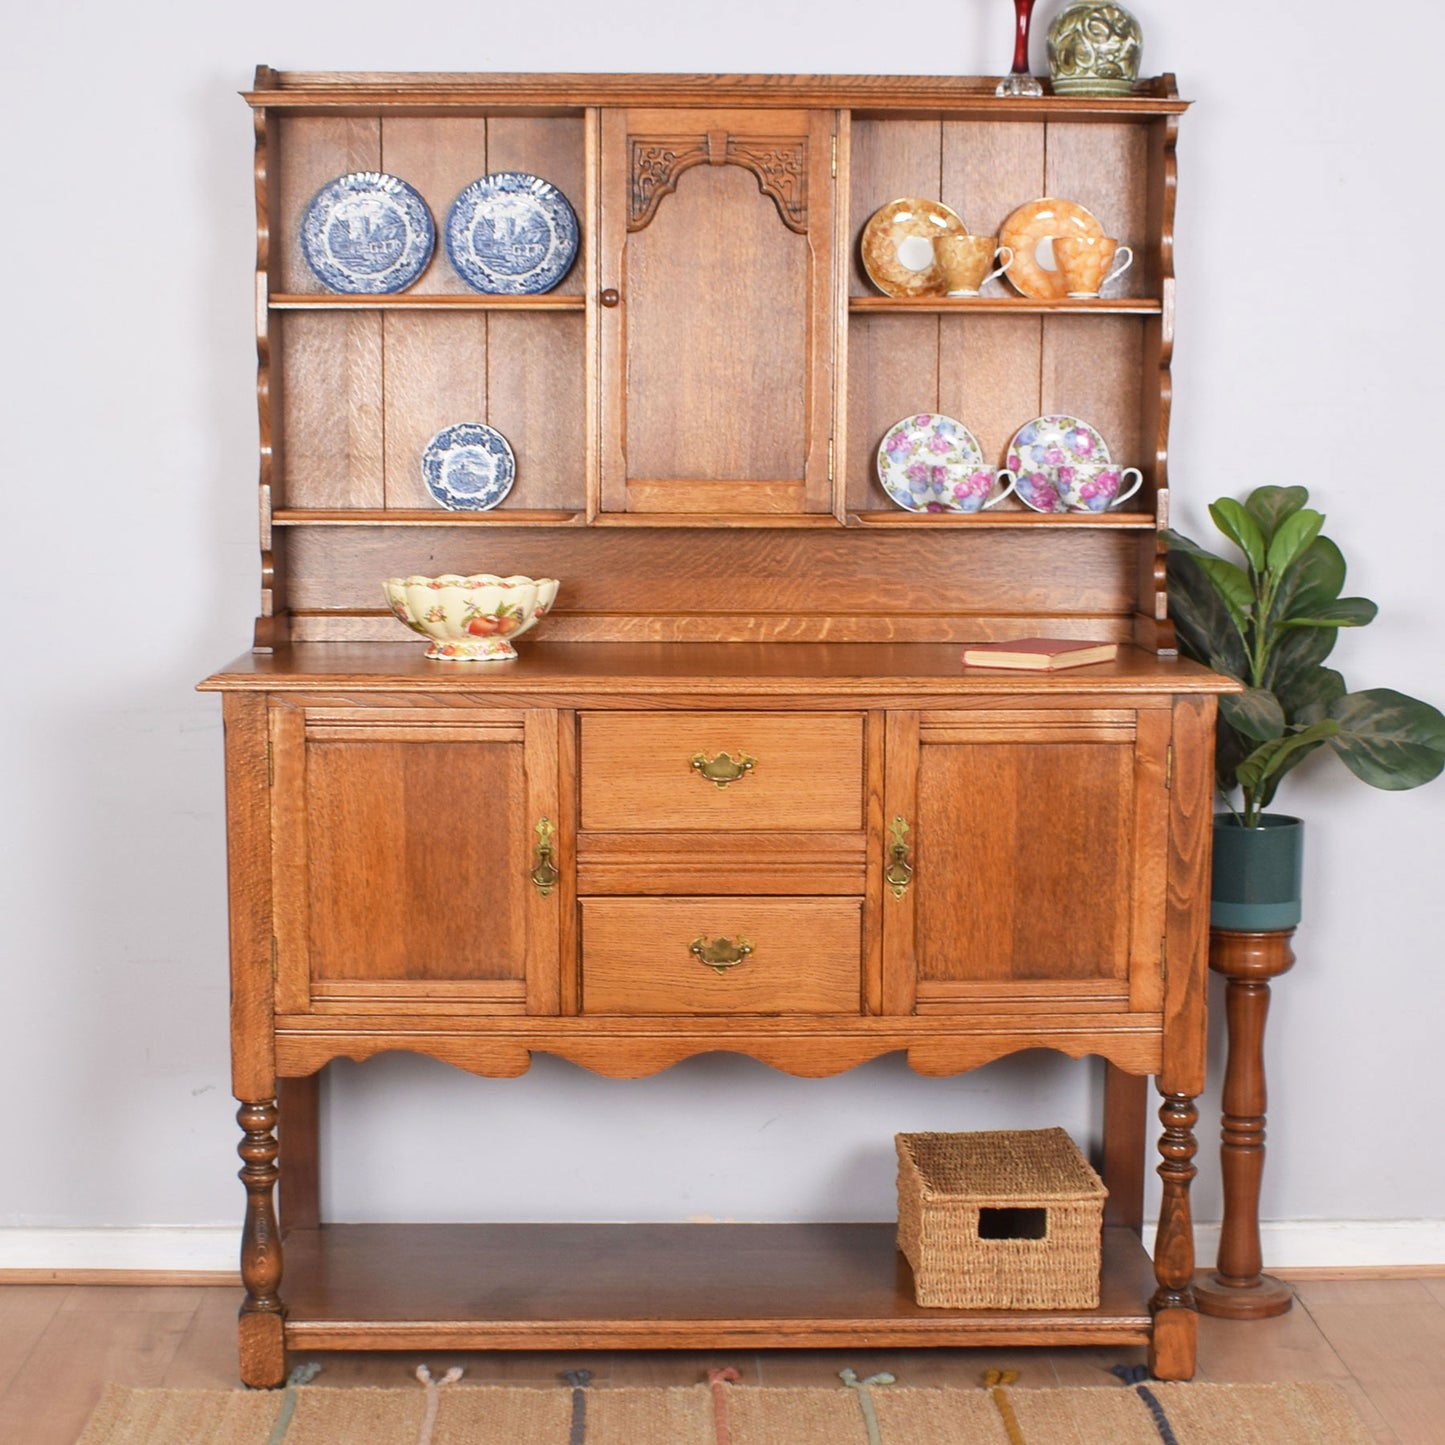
(780, 165)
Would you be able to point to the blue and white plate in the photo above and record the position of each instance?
(468, 467)
(367, 234)
(512, 234)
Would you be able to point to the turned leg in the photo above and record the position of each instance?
(1176, 1321)
(263, 1350)
(1237, 1290)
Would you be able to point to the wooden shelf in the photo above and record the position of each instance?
(658, 1286)
(410, 301)
(421, 517)
(1004, 305)
(1128, 521)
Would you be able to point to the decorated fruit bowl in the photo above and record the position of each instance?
(470, 619)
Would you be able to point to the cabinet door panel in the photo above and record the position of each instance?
(1023, 861)
(403, 848)
(717, 237)
(1035, 839)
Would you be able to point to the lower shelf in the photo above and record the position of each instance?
(658, 1286)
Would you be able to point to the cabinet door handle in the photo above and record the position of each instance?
(610, 297)
(899, 872)
(723, 770)
(720, 955)
(545, 875)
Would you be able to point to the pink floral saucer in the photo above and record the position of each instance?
(1040, 447)
(931, 463)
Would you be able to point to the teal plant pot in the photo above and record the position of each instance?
(1258, 874)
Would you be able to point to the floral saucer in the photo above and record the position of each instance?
(367, 234)
(1041, 447)
(931, 463)
(468, 467)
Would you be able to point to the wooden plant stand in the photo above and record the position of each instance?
(1236, 1289)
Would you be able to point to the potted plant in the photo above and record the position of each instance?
(1270, 623)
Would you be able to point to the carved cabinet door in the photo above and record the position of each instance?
(1028, 850)
(716, 288)
(413, 852)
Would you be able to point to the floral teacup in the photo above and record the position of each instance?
(1094, 486)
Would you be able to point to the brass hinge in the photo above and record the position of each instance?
(835, 155)
(1169, 767)
(1164, 957)
(830, 459)
(270, 764)
(274, 950)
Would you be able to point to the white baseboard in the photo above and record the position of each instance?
(1337, 1244)
(144, 1251)
(1286, 1244)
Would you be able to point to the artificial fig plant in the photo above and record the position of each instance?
(1270, 623)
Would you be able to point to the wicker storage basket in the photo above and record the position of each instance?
(1006, 1219)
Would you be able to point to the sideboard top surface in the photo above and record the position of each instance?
(662, 668)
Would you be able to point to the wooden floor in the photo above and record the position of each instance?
(1383, 1340)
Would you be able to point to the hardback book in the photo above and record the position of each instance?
(1039, 654)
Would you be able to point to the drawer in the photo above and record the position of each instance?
(803, 955)
(799, 772)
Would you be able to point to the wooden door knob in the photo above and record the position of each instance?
(610, 297)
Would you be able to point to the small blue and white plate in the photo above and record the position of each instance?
(512, 234)
(468, 467)
(367, 234)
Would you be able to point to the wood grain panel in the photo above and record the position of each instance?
(331, 409)
(892, 373)
(537, 399)
(805, 956)
(436, 376)
(312, 151)
(408, 847)
(637, 772)
(921, 572)
(1094, 369)
(1023, 860)
(992, 169)
(768, 863)
(989, 379)
(717, 263)
(1105, 168)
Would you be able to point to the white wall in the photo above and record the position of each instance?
(1309, 331)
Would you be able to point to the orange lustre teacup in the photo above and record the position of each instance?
(965, 259)
(1084, 262)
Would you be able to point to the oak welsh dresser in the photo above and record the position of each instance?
(481, 861)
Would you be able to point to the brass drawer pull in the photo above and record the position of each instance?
(899, 872)
(723, 770)
(720, 955)
(545, 874)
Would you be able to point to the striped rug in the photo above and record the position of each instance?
(876, 1410)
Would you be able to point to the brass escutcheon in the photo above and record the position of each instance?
(720, 955)
(899, 872)
(723, 770)
(545, 874)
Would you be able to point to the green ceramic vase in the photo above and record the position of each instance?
(1094, 49)
(1258, 873)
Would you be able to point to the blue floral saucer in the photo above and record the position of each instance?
(468, 467)
(367, 234)
(511, 234)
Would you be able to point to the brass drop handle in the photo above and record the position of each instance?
(610, 297)
(899, 872)
(545, 875)
(723, 770)
(720, 955)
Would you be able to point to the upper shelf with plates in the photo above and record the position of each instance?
(654, 292)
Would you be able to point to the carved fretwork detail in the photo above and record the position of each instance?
(781, 167)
